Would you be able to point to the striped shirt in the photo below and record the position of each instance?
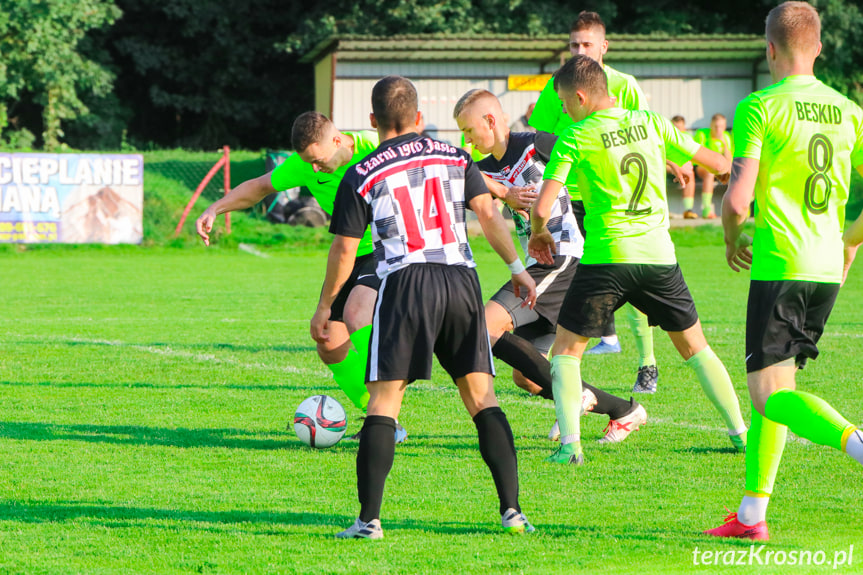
(414, 191)
(522, 164)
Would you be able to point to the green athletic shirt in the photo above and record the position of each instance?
(295, 172)
(806, 138)
(618, 157)
(719, 146)
(548, 113)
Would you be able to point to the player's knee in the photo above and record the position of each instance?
(333, 352)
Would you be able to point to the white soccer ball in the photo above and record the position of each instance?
(320, 421)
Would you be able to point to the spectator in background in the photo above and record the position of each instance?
(521, 125)
(688, 185)
(717, 139)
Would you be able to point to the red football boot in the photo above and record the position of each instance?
(734, 528)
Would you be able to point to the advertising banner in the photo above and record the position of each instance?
(71, 198)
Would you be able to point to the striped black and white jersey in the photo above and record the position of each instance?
(524, 162)
(414, 191)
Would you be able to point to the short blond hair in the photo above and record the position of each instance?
(794, 27)
(471, 97)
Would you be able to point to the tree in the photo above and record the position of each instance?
(39, 41)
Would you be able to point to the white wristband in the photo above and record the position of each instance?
(516, 267)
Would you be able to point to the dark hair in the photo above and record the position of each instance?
(581, 73)
(587, 21)
(309, 128)
(394, 103)
(678, 118)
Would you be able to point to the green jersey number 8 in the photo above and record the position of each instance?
(625, 165)
(820, 157)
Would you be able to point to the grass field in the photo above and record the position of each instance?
(146, 392)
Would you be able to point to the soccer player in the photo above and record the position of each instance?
(795, 144)
(619, 158)
(717, 139)
(587, 37)
(323, 156)
(517, 161)
(687, 184)
(414, 191)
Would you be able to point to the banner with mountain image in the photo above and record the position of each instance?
(71, 198)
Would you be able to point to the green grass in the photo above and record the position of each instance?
(146, 393)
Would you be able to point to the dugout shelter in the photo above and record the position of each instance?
(695, 76)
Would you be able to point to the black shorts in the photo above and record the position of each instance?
(552, 282)
(425, 308)
(579, 213)
(785, 319)
(540, 334)
(597, 290)
(363, 274)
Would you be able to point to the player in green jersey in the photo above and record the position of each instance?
(587, 37)
(795, 144)
(717, 139)
(619, 159)
(323, 155)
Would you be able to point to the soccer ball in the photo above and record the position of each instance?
(320, 421)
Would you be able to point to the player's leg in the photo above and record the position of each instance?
(663, 295)
(708, 181)
(688, 194)
(714, 380)
(648, 374)
(462, 346)
(375, 456)
(567, 352)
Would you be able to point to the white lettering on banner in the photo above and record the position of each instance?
(30, 200)
(87, 170)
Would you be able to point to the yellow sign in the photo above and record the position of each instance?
(527, 83)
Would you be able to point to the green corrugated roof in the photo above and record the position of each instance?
(513, 47)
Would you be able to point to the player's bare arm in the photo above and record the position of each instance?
(852, 238)
(244, 196)
(735, 210)
(500, 239)
(679, 177)
(497, 189)
(541, 245)
(340, 262)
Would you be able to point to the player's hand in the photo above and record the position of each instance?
(204, 224)
(850, 254)
(320, 325)
(524, 287)
(723, 178)
(680, 177)
(739, 254)
(541, 247)
(521, 197)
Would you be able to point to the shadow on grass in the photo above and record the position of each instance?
(174, 345)
(137, 435)
(317, 388)
(122, 516)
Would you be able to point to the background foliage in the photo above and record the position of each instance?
(105, 74)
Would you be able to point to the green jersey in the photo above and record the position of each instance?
(618, 158)
(548, 113)
(806, 138)
(719, 146)
(294, 172)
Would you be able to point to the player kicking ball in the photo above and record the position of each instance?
(795, 144)
(517, 161)
(323, 156)
(619, 157)
(414, 191)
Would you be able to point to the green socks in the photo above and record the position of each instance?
(706, 204)
(643, 335)
(566, 385)
(688, 203)
(717, 386)
(766, 442)
(350, 373)
(809, 417)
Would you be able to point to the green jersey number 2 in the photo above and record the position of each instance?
(820, 157)
(625, 166)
